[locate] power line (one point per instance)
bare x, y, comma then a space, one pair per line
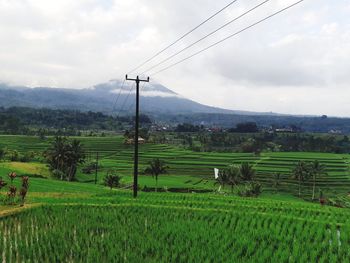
206, 36
127, 97
183, 36
226, 38
133, 104
116, 101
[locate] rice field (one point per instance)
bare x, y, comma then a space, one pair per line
195, 169
83, 222
158, 227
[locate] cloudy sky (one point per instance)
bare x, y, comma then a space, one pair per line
297, 62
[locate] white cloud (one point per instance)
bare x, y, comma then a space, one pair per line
271, 67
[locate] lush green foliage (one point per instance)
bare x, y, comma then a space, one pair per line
156, 167
176, 228
262, 142
64, 156
188, 169
112, 179
19, 120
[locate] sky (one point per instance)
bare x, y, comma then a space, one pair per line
297, 62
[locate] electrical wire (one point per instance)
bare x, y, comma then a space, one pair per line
116, 101
226, 38
182, 37
206, 36
127, 97
133, 104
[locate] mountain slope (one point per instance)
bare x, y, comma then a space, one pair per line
155, 98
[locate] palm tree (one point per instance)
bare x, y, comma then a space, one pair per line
65, 156
155, 168
222, 179
247, 172
301, 173
112, 179
56, 154
75, 156
232, 175
317, 169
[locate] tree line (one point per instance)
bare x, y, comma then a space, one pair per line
30, 121
261, 142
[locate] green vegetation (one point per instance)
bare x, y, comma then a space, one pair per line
109, 227
82, 222
64, 157
188, 169
156, 167
264, 141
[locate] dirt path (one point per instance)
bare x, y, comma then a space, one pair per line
7, 210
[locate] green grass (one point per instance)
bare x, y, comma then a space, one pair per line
105, 226
83, 222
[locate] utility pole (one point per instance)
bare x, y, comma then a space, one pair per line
96, 168
136, 138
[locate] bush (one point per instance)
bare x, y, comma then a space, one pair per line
252, 189
112, 179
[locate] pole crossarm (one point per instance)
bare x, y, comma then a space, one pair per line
136, 138
137, 79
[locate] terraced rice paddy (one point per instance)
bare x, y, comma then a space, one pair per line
83, 222
113, 227
195, 170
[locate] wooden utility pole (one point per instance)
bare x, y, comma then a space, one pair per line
96, 168
136, 138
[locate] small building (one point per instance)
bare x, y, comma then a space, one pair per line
335, 132
285, 130
131, 141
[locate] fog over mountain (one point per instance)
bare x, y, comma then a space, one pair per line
110, 97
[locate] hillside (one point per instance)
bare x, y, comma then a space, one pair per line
154, 98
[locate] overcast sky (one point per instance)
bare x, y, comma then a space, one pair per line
297, 62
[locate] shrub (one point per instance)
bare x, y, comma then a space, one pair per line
112, 179
252, 189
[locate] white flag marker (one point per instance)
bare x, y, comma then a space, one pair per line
216, 173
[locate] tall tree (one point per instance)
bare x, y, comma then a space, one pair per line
301, 172
316, 169
247, 172
65, 156
75, 156
155, 168
232, 175
222, 179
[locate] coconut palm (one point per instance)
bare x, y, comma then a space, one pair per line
247, 172
75, 156
112, 179
233, 174
301, 172
155, 168
222, 179
316, 169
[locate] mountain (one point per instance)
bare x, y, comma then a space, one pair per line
110, 97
